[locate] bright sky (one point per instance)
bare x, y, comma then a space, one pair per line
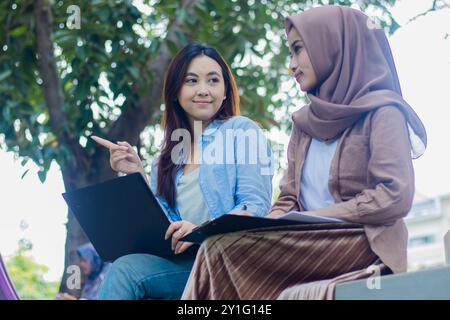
422, 56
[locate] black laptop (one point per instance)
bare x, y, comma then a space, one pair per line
121, 216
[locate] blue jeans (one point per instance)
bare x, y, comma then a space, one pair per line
145, 276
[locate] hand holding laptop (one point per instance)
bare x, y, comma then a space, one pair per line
178, 230
123, 158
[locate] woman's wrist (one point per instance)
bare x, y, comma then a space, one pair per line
142, 172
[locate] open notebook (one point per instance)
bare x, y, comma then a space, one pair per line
232, 223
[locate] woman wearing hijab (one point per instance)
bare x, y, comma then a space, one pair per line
349, 157
94, 270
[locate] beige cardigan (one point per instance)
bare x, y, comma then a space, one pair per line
371, 180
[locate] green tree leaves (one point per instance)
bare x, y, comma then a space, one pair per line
117, 41
28, 276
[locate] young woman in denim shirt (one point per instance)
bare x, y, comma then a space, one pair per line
221, 165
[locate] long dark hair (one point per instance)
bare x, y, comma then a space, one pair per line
176, 118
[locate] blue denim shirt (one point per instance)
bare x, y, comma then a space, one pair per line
243, 180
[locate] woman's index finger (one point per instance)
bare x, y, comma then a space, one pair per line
106, 143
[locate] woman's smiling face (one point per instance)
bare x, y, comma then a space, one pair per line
203, 90
300, 63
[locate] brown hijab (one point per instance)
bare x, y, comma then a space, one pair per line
355, 71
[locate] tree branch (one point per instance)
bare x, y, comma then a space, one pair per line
437, 5
53, 92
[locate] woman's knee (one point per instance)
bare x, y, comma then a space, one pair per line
134, 264
140, 266
125, 275
122, 264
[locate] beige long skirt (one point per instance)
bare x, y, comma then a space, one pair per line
293, 262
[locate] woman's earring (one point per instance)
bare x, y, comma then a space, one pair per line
224, 98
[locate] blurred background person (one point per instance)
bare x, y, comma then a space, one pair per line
94, 270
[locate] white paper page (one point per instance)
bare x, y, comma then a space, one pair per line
310, 218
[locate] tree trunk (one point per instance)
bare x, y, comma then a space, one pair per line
83, 170
75, 235
74, 179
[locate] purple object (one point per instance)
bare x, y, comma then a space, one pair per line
7, 291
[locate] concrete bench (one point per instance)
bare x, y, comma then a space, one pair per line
431, 284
